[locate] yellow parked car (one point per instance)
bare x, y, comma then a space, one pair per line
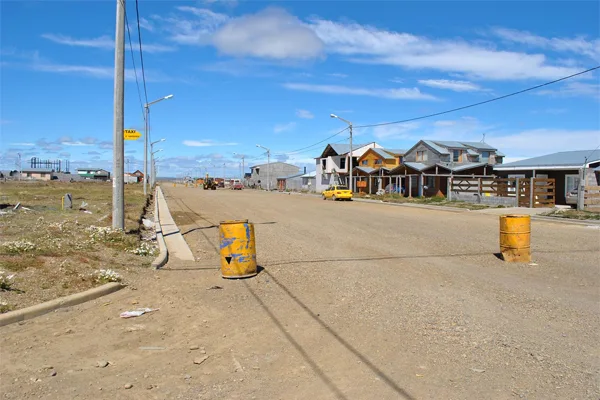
337, 192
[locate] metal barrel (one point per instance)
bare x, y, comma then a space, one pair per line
515, 238
237, 248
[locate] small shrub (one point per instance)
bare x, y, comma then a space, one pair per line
104, 234
4, 307
6, 281
145, 249
106, 275
18, 247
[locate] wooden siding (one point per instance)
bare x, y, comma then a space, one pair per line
371, 157
432, 156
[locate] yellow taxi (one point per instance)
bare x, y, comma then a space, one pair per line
337, 192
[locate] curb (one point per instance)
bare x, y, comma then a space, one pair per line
163, 256
559, 220
67, 301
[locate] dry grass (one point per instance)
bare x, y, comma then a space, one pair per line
55, 252
573, 214
436, 201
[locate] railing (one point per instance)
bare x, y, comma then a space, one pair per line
542, 195
591, 198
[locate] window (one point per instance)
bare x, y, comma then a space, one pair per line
343, 163
421, 156
430, 182
324, 163
485, 155
43, 175
400, 160
571, 183
456, 155
378, 162
364, 162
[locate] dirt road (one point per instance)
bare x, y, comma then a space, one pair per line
356, 301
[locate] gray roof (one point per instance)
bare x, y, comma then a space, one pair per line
441, 150
560, 159
461, 145
291, 176
41, 170
396, 151
382, 153
312, 174
461, 167
417, 166
366, 170
342, 148
273, 163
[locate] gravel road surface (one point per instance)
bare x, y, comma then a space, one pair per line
354, 301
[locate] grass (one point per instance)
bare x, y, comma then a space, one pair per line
436, 201
573, 214
55, 252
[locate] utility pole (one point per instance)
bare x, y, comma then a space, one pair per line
118, 215
20, 169
350, 186
268, 166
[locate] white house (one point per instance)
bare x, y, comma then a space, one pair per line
333, 163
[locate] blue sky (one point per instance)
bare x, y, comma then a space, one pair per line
247, 73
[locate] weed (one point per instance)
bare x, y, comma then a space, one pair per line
6, 281
145, 249
4, 307
18, 247
106, 275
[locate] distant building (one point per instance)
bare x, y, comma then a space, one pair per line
262, 173
38, 174
96, 174
140, 175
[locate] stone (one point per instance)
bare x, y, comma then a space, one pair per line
68, 201
53, 373
128, 386
194, 347
102, 364
199, 361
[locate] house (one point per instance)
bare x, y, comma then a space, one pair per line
427, 165
297, 182
376, 162
567, 168
130, 178
93, 174
332, 165
38, 174
262, 173
140, 175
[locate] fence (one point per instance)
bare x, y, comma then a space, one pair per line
591, 198
506, 191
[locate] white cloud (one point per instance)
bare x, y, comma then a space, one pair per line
579, 44
457, 86
147, 25
272, 33
284, 127
366, 44
573, 89
23, 144
305, 114
196, 31
536, 142
338, 75
94, 71
398, 131
397, 94
102, 42
205, 143
397, 80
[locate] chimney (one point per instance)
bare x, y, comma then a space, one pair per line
305, 170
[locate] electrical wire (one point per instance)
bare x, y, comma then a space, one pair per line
137, 12
481, 102
133, 60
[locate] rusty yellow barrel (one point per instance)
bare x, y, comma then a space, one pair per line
238, 250
515, 238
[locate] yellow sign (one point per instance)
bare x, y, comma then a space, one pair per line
131, 134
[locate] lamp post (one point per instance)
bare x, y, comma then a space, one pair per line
243, 166
154, 169
146, 130
268, 166
350, 163
151, 164
151, 150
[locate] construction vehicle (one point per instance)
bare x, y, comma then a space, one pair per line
209, 183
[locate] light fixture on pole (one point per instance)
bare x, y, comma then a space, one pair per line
268, 166
146, 130
154, 169
243, 166
151, 150
350, 185
151, 162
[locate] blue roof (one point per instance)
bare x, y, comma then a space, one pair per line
561, 159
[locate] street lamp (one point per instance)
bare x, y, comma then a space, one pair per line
151, 166
154, 167
151, 151
146, 129
350, 163
268, 166
243, 166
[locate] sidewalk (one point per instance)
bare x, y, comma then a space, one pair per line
176, 244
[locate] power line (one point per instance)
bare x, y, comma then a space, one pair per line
137, 12
481, 102
133, 60
312, 145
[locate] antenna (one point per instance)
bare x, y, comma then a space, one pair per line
483, 139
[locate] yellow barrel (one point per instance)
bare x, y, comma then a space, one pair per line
515, 238
238, 250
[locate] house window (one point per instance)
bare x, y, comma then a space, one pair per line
378, 162
400, 160
324, 163
430, 183
29, 174
485, 155
421, 156
43, 175
343, 163
456, 155
571, 183
364, 162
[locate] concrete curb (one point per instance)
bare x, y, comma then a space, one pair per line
163, 256
67, 301
568, 221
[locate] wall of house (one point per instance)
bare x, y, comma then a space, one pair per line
371, 159
270, 172
38, 176
432, 156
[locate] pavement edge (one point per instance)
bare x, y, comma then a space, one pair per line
163, 256
72, 300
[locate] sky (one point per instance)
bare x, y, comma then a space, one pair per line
245, 73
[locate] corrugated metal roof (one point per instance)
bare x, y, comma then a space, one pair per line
499, 153
342, 148
461, 167
291, 176
479, 145
39, 170
312, 174
366, 170
417, 166
433, 145
472, 152
396, 151
463, 145
382, 153
563, 158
